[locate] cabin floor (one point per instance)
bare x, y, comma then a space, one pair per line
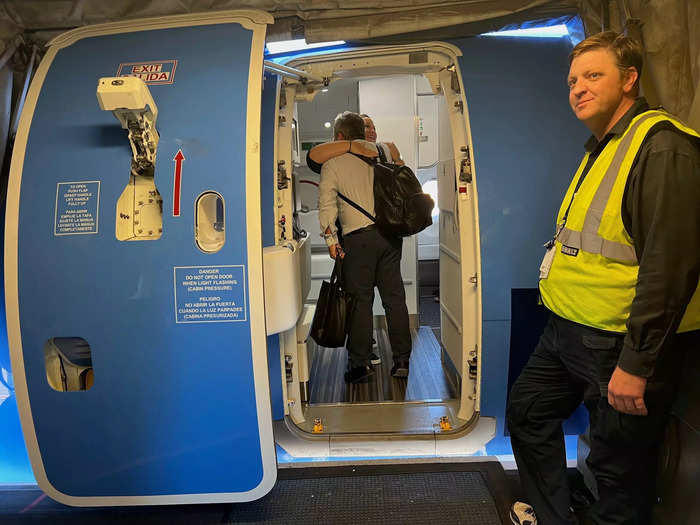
426, 381
427, 378
385, 404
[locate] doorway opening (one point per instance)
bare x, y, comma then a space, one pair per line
414, 96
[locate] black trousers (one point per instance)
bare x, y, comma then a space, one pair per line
373, 260
574, 363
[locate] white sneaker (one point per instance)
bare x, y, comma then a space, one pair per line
522, 514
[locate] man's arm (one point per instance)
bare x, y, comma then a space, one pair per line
663, 218
328, 207
334, 250
312, 164
322, 153
395, 155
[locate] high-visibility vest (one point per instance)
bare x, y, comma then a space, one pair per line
593, 274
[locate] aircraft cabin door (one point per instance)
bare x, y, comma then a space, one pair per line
133, 264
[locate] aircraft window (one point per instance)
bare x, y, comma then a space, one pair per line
209, 231
68, 362
431, 188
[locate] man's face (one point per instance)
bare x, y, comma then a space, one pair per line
596, 87
370, 131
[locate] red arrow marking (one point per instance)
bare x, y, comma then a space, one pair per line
178, 158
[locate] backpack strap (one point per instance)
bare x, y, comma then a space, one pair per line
373, 160
357, 207
382, 154
369, 160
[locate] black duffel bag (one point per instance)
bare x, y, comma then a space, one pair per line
334, 308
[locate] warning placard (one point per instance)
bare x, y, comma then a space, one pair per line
77, 208
210, 294
154, 73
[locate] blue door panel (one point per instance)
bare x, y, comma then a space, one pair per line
173, 407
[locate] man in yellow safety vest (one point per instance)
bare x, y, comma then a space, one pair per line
620, 277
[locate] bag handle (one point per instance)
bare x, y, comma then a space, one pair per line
382, 155
369, 160
337, 274
373, 160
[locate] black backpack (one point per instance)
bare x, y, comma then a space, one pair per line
401, 207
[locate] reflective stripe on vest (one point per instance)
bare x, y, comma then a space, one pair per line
594, 271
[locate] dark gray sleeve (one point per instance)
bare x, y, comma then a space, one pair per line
312, 164
661, 210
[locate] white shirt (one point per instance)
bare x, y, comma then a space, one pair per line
354, 178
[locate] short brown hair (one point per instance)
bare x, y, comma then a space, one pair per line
350, 125
627, 51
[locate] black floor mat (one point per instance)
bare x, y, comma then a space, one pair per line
474, 493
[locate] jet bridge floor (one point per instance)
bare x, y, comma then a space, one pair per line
470, 493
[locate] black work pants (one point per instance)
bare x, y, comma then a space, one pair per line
373, 260
574, 363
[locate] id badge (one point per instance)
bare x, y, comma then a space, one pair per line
547, 262
549, 254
